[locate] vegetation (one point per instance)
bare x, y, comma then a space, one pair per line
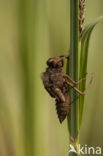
77, 65
31, 32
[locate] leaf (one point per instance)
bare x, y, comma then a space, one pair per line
83, 62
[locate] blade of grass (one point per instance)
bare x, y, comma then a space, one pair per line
27, 18
72, 70
83, 64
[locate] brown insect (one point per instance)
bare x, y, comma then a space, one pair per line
56, 83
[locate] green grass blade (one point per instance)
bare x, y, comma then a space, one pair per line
83, 64
72, 70
27, 26
72, 67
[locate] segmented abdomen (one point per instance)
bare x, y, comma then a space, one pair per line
63, 108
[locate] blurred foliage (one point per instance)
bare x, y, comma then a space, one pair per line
47, 34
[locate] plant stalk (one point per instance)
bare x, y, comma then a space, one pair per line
27, 29
72, 70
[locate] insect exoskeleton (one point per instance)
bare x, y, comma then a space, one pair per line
63, 108
56, 83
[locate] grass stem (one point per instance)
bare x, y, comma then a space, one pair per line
72, 70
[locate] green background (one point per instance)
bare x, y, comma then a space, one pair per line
31, 31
